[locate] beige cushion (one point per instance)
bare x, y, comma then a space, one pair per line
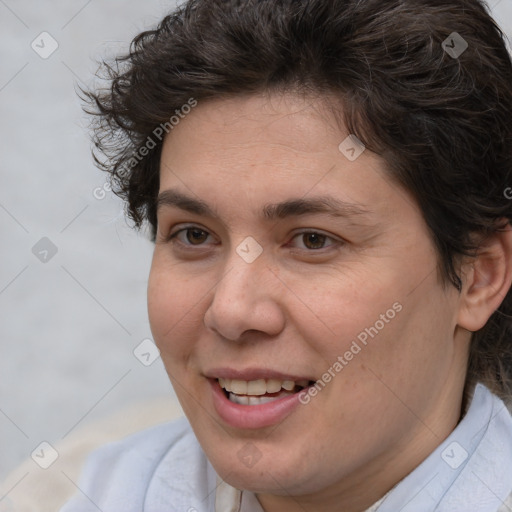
507, 505
29, 488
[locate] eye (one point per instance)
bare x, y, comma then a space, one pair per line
189, 236
313, 240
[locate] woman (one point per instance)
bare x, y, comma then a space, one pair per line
325, 181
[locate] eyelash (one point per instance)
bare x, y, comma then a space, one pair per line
172, 238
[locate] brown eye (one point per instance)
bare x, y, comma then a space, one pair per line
310, 241
313, 240
189, 237
196, 236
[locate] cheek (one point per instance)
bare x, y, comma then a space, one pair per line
173, 303
374, 320
342, 309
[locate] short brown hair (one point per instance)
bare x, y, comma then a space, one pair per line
441, 122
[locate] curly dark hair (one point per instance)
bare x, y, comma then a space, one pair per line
441, 119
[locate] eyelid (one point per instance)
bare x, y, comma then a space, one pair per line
337, 241
185, 227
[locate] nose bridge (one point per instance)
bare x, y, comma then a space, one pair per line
245, 266
244, 270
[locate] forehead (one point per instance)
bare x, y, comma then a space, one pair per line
267, 154
296, 122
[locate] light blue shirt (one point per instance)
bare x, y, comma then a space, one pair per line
164, 469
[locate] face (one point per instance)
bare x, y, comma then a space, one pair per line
282, 261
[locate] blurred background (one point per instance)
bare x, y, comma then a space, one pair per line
75, 338
73, 274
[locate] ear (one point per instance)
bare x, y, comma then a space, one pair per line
486, 280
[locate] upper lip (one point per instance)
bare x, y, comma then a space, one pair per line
249, 374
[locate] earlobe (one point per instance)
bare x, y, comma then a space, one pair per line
487, 280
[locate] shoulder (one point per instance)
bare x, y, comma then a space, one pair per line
117, 476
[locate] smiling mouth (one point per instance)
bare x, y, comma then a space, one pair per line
261, 391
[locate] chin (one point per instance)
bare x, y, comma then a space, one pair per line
259, 471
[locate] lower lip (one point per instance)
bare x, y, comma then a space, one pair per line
252, 416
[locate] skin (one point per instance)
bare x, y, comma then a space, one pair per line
297, 307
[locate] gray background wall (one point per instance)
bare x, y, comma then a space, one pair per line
69, 321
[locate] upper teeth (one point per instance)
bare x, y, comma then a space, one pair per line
259, 387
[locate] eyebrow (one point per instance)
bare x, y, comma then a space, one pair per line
290, 208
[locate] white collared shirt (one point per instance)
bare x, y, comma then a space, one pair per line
164, 469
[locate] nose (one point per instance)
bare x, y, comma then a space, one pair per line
247, 298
